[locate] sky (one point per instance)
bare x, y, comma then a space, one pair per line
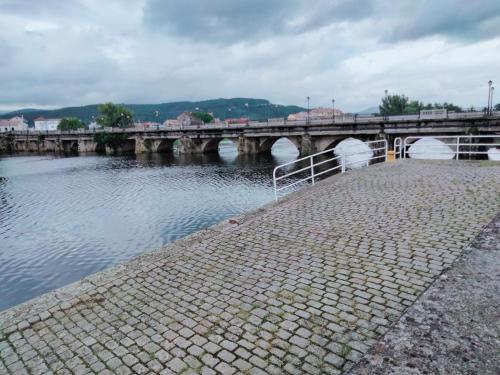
75, 52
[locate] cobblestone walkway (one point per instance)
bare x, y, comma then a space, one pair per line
453, 328
303, 287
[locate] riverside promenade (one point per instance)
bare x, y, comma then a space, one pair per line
305, 286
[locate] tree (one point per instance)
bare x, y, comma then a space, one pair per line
71, 123
393, 105
449, 107
204, 116
115, 116
413, 107
113, 140
497, 107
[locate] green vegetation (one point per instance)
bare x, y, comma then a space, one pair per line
115, 116
254, 109
394, 105
112, 140
497, 107
71, 123
204, 116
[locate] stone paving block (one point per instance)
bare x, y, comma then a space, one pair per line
306, 286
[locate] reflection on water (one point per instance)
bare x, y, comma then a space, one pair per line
62, 219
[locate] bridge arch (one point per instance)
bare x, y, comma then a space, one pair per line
165, 145
211, 145
268, 143
70, 146
329, 142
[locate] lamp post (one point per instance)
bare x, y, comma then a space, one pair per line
333, 111
491, 100
490, 82
308, 99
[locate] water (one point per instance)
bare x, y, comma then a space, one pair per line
63, 218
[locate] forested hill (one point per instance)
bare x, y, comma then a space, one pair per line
255, 109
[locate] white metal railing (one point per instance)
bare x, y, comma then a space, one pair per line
456, 145
398, 147
342, 164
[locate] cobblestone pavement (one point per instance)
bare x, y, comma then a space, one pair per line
453, 328
303, 287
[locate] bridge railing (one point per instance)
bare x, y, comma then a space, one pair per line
398, 148
349, 158
337, 120
451, 147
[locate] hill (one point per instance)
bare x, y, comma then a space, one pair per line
255, 109
369, 111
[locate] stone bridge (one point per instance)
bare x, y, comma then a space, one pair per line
250, 139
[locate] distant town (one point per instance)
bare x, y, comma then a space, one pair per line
19, 123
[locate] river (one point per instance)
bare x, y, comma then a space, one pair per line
63, 218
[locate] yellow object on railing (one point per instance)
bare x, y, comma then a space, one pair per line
391, 156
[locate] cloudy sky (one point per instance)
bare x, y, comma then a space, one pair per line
57, 53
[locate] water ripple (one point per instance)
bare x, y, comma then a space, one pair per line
62, 219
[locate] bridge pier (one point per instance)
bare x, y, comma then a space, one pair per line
247, 145
147, 145
190, 145
256, 145
87, 145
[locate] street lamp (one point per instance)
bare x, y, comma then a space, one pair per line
491, 100
308, 99
490, 82
333, 111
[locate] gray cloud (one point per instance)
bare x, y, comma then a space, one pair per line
229, 21
467, 20
76, 52
40, 8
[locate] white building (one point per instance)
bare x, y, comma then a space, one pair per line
14, 124
44, 124
315, 114
94, 125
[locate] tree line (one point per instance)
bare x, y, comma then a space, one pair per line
396, 105
116, 116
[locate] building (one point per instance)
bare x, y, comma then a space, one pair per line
187, 118
43, 124
94, 125
315, 114
170, 123
17, 123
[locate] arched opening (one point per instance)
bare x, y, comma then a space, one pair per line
166, 145
176, 146
228, 149
281, 147
211, 146
334, 144
70, 147
431, 148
